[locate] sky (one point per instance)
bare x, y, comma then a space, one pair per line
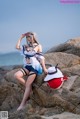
53, 21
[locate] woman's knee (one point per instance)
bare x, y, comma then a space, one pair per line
18, 75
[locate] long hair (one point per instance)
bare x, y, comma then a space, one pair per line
35, 37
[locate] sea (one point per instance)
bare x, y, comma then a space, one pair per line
12, 58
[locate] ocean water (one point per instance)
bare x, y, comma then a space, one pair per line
13, 58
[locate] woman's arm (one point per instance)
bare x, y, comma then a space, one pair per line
38, 48
19, 42
42, 60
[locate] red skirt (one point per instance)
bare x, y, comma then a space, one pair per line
56, 82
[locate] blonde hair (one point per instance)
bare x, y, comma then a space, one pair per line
35, 37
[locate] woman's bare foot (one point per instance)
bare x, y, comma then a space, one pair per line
20, 107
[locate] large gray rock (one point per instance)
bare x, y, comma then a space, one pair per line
68, 63
72, 46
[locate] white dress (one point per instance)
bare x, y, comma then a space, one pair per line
34, 59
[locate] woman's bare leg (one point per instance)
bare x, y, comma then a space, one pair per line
19, 76
27, 90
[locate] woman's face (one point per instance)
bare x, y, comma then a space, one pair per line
30, 39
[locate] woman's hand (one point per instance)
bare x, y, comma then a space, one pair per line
45, 71
19, 42
22, 36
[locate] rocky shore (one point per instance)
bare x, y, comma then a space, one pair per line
44, 102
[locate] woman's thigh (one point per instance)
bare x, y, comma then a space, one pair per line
18, 74
21, 73
30, 78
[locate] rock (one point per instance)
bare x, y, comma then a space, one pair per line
65, 115
70, 82
68, 63
23, 115
71, 71
10, 76
72, 46
11, 91
63, 60
2, 73
44, 96
50, 99
11, 67
4, 70
76, 86
44, 100
10, 96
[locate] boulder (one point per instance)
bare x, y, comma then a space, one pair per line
10, 96
72, 46
45, 100
64, 115
63, 60
47, 97
10, 76
63, 97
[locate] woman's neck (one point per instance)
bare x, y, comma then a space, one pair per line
33, 44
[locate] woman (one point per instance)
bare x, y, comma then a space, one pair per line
34, 63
